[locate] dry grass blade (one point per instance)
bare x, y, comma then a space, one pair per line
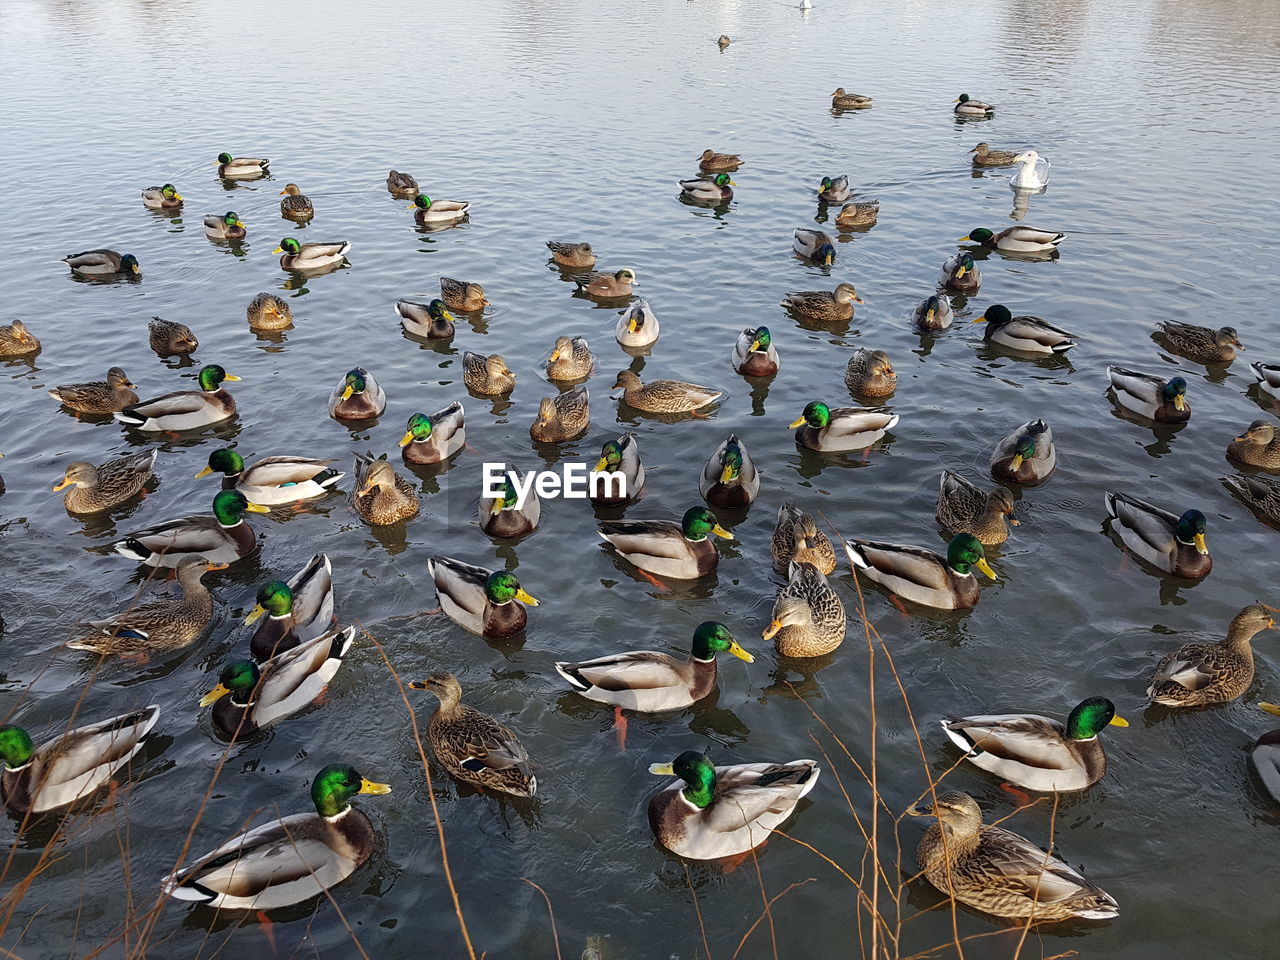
768, 907
555, 935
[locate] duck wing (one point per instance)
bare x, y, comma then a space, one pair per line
1024, 738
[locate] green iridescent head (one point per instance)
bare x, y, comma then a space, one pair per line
169, 190
336, 784
232, 219
354, 382
610, 456
276, 598
225, 158
1090, 717
240, 679
697, 771
722, 180
699, 523
229, 505
224, 460
980, 235
760, 340
965, 552
129, 264
997, 315
1191, 529
422, 202
503, 587
508, 498
16, 747
212, 377
730, 462
418, 428
290, 245
1175, 392
964, 264
816, 415
437, 310
711, 638
963, 98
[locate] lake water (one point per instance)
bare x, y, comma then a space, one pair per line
574, 120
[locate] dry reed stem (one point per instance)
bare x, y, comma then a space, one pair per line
767, 908
555, 935
697, 909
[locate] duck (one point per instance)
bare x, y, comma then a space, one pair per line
837, 429
821, 306
248, 698
922, 576
401, 184
1267, 375
73, 765
1033, 174
164, 197
486, 602
240, 168
1260, 494
1201, 344
998, 872
98, 488
966, 106
754, 354
1150, 396
380, 495
1264, 756
505, 516
608, 286
431, 321
291, 613
718, 188
223, 537
289, 860
638, 327
808, 618
184, 409
17, 341
729, 478
870, 373
100, 396
562, 417
434, 438
358, 396
574, 255
959, 273
710, 812
677, 551
848, 101
834, 189
428, 212
863, 213
797, 539
462, 296
1173, 544
663, 396
103, 263
266, 311
724, 41
570, 359
1259, 447
814, 245
489, 375
621, 456
1025, 334
933, 313
301, 257
472, 746
228, 226
649, 681
1198, 674
273, 481
1019, 238
964, 508
159, 627
1025, 456
296, 205
984, 156
712, 162
1035, 752
171, 339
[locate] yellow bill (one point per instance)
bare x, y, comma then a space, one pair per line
255, 614
61, 484
720, 531
1016, 462
726, 474
1270, 708
1201, 546
346, 394
798, 422
964, 239
662, 769
1118, 721
771, 630
406, 439
278, 250
231, 377
601, 465
526, 598
214, 695
257, 508
985, 568
1180, 403
204, 473
368, 786
740, 653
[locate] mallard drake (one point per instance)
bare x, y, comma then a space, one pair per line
814, 245
184, 409
1201, 344
608, 286
998, 872
72, 765
933, 313
1260, 494
1025, 333
964, 508
718, 188
922, 576
94, 489
836, 429
754, 354
1264, 756
159, 627
834, 189
1267, 375
869, 373
966, 106
570, 359
677, 551
863, 213
486, 602
358, 396
724, 41
984, 156
162, 198
489, 375
223, 537
249, 698
649, 681
565, 416
1175, 545
289, 860
266, 311
401, 184
1149, 396
638, 327
505, 516
17, 341
434, 438
100, 396
228, 226
428, 211
1016, 239
712, 812
729, 478
301, 257
712, 162
171, 339
1198, 674
848, 101
1035, 752
472, 746
296, 205
578, 255
431, 321
808, 617
618, 456
1033, 174
959, 273
797, 539
103, 263
272, 481
462, 296
663, 396
1259, 447
380, 495
293, 613
822, 306
1025, 456
240, 168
